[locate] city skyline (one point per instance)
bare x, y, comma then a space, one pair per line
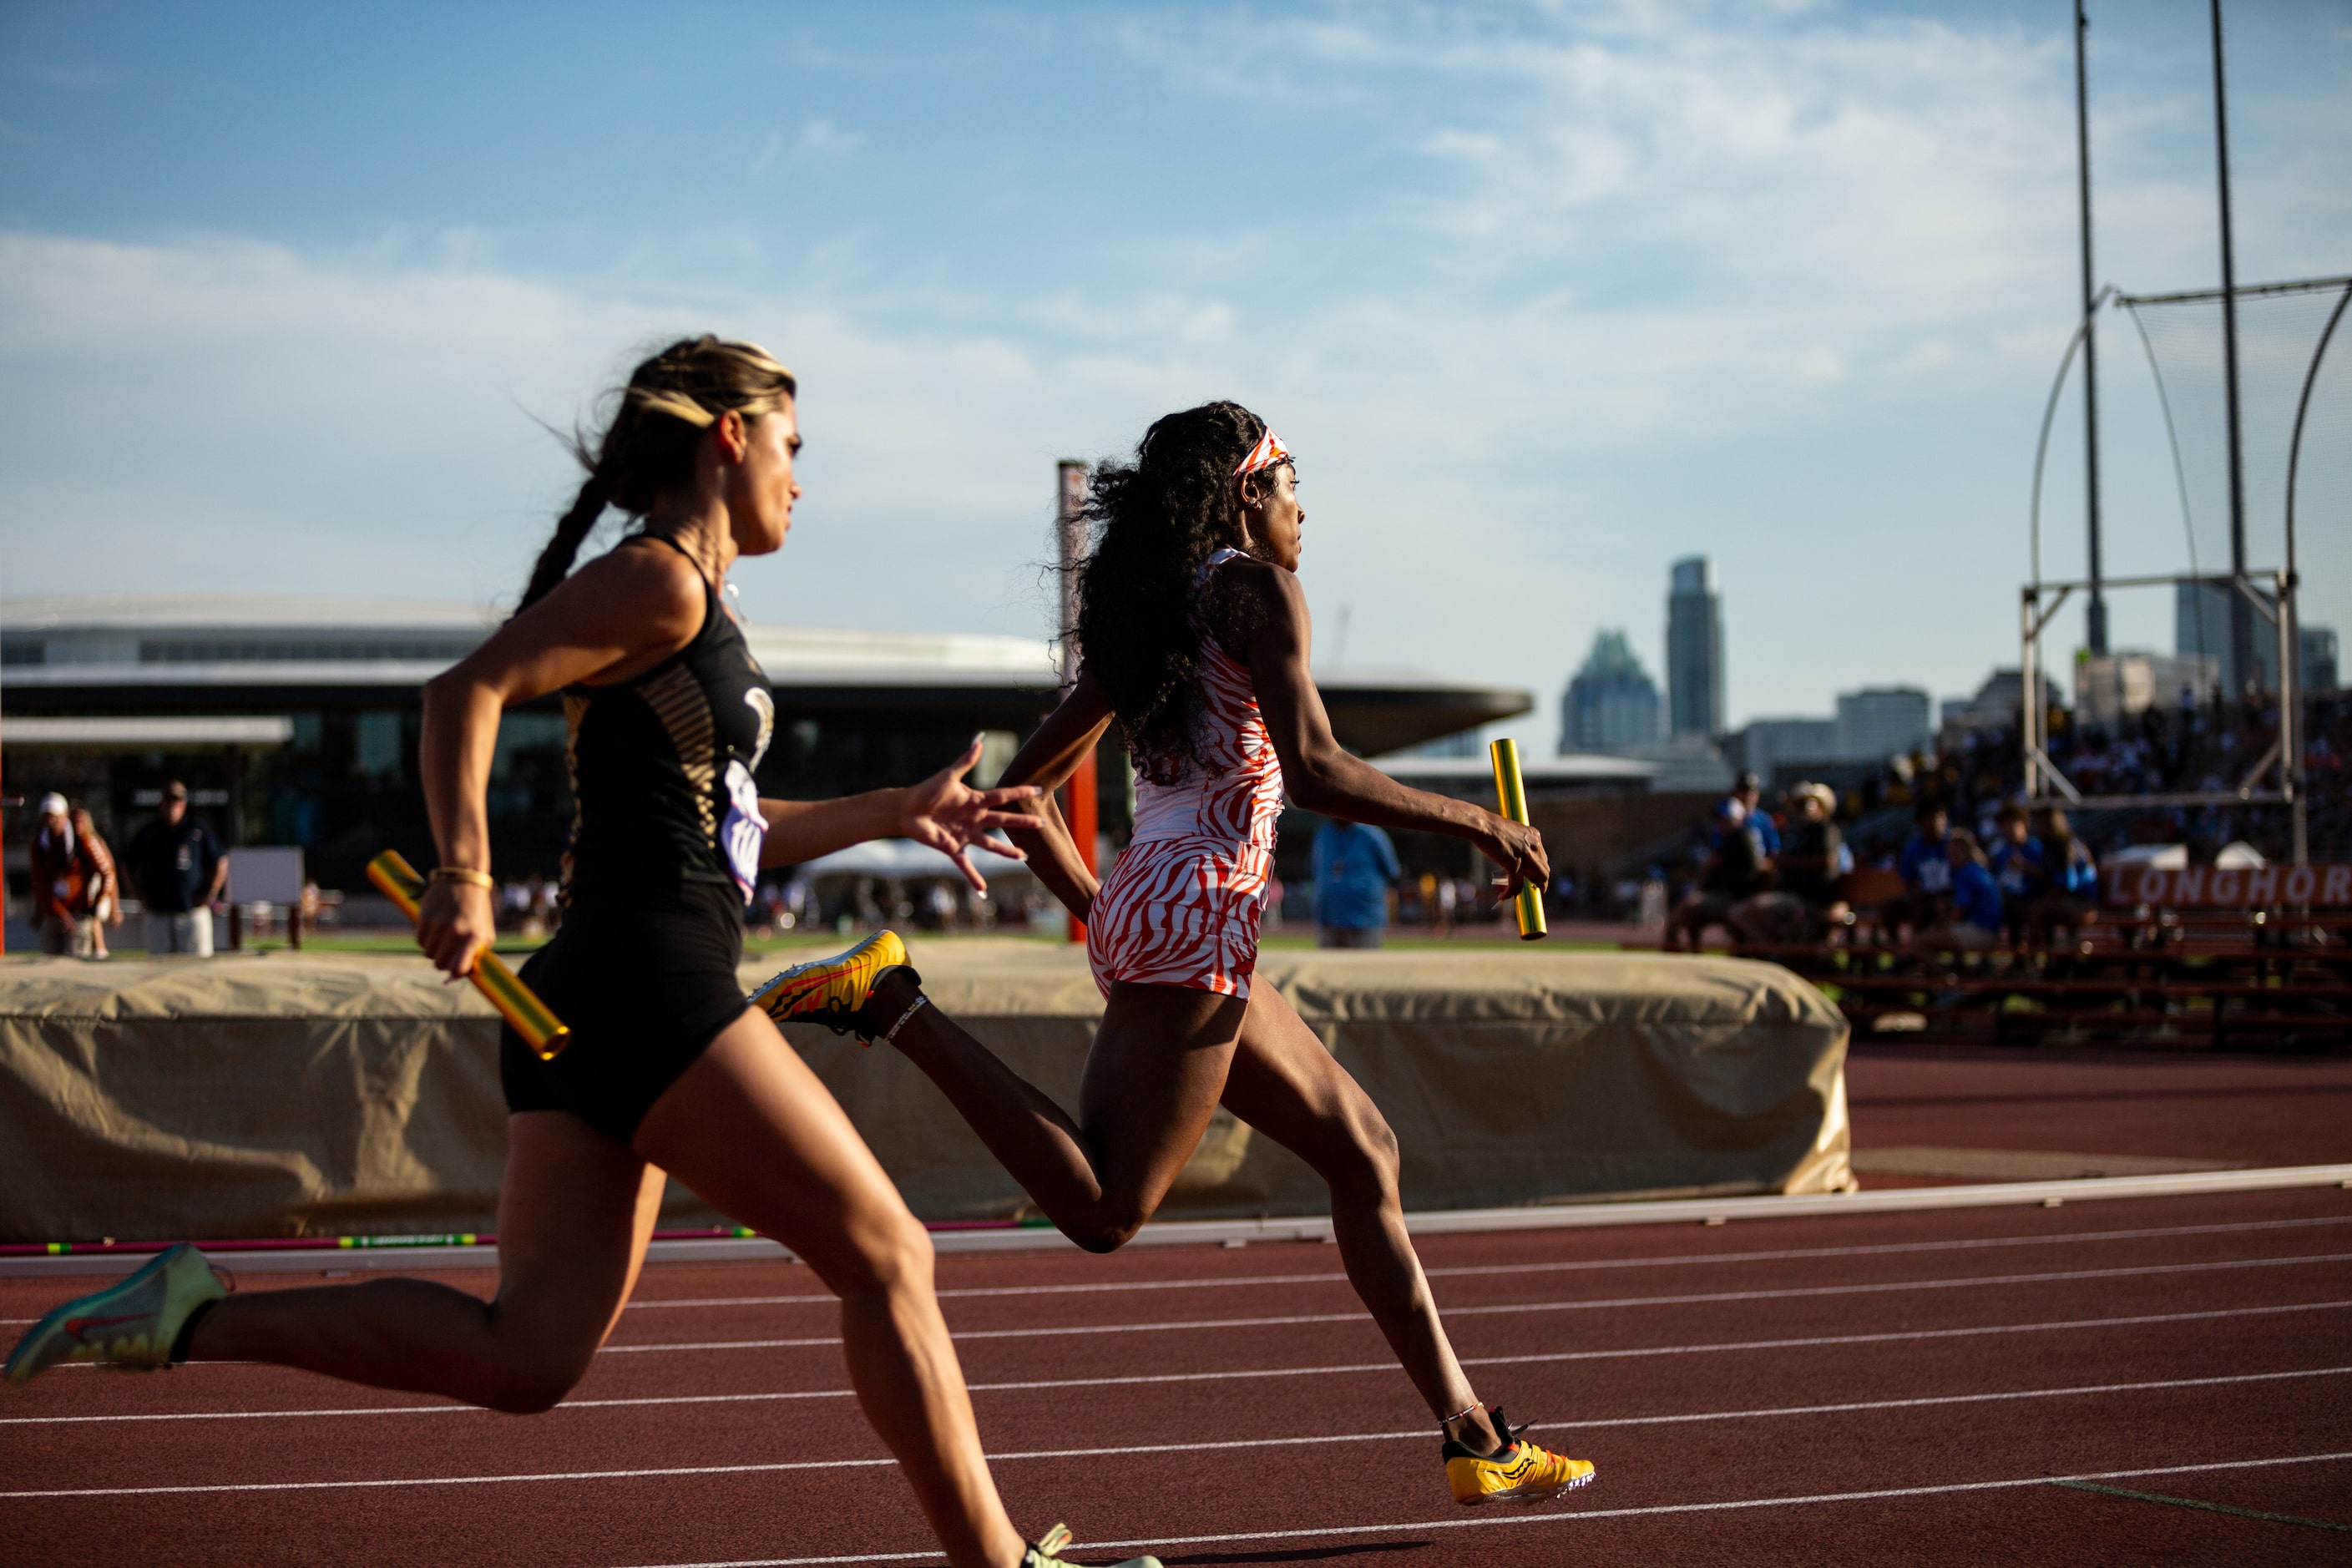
1544, 299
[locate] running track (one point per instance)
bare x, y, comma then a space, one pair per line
1898, 1387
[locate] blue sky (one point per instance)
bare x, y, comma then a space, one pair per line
1543, 296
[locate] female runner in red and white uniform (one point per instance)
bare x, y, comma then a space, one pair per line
1194, 631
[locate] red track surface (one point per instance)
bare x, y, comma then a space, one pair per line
1701, 1369
2259, 1110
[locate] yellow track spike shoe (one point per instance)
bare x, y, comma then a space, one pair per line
833, 990
1519, 1472
132, 1324
1046, 1552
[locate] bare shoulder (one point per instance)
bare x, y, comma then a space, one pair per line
623, 611
1274, 594
1256, 611
657, 589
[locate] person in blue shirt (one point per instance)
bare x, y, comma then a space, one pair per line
1974, 899
2017, 860
1926, 869
2071, 888
1749, 792
1353, 866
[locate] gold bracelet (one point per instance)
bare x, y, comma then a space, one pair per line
465, 874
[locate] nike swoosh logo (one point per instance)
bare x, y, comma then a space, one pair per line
74, 1326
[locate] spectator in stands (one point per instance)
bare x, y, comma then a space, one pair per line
1733, 870
2017, 870
1973, 922
1926, 865
1354, 865
1803, 902
179, 868
1749, 791
72, 877
2071, 881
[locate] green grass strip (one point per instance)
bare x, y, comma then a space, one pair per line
2208, 1507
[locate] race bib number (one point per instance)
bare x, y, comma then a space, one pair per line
744, 829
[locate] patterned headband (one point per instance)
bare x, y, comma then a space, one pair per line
1269, 453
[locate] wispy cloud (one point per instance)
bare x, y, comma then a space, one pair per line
823, 136
1783, 283
76, 79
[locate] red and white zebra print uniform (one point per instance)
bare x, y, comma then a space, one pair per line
1182, 905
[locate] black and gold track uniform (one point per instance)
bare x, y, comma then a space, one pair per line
664, 849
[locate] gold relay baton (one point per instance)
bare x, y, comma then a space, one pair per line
540, 1029
1511, 801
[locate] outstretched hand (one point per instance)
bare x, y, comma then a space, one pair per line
952, 816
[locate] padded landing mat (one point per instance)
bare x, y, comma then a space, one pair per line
307, 1095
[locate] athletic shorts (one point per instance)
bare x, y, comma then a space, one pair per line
1181, 911
644, 985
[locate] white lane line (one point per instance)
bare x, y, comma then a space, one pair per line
1253, 1373
1585, 1516
1419, 1434
1693, 1299
1242, 1281
1468, 1272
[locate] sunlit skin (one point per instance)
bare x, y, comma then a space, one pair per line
748, 1125
1166, 1056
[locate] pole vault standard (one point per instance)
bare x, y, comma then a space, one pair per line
2096, 617
2242, 627
1080, 795
2291, 721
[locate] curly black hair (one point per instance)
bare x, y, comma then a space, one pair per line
1155, 521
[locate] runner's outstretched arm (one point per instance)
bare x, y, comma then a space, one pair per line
942, 812
1066, 737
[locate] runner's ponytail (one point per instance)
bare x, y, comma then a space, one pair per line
555, 561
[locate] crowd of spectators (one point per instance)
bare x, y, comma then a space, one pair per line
1976, 866
2164, 750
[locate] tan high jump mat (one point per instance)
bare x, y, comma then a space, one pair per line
328, 1095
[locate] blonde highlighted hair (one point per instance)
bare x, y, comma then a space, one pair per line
669, 401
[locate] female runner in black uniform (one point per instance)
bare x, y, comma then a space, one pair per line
668, 1070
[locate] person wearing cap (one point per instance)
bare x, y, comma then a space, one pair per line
1740, 843
72, 878
179, 868
1806, 899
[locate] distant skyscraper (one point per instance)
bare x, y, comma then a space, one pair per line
2318, 667
1879, 723
1613, 703
2200, 625
1694, 649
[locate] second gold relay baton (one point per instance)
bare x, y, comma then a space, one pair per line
540, 1029
1511, 801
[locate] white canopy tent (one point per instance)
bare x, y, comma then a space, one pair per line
905, 859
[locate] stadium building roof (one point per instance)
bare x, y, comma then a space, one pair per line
184, 654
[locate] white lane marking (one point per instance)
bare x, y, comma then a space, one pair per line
1419, 1433
1579, 1517
1254, 1373
1468, 1271
1244, 1281
1694, 1299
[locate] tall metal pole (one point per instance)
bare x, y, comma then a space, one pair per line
2241, 626
2097, 617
